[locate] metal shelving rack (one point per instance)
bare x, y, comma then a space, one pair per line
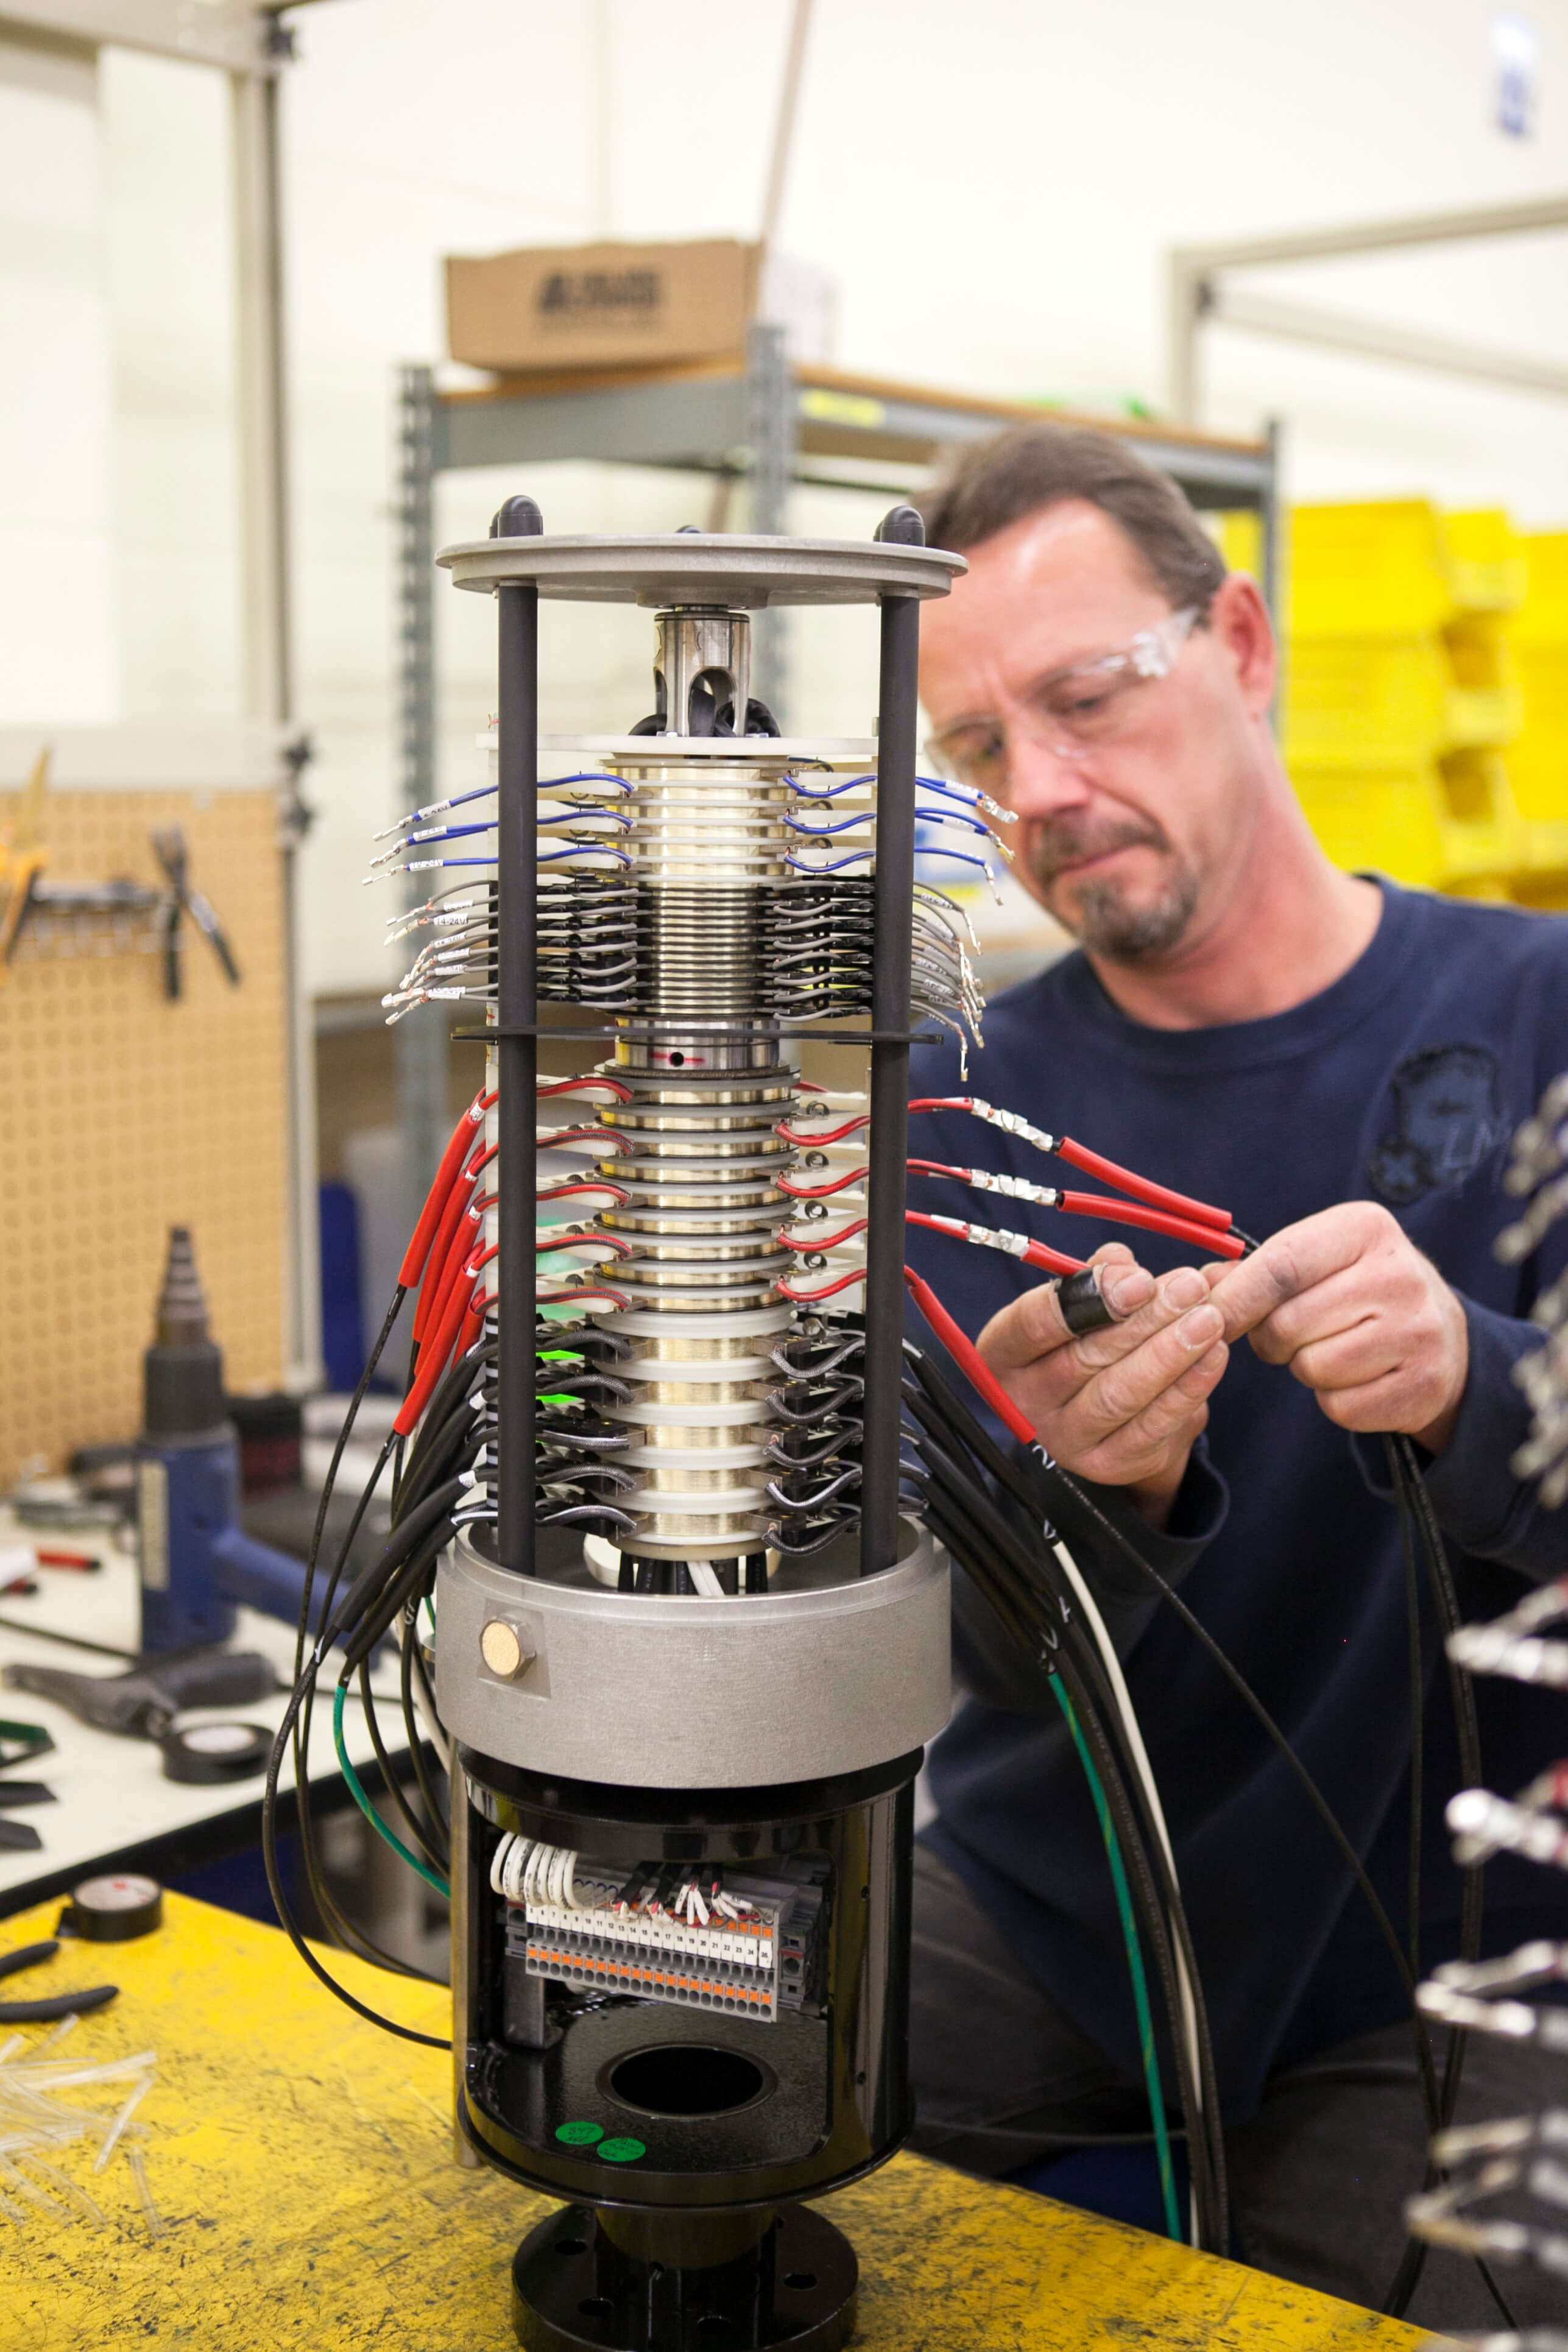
753, 419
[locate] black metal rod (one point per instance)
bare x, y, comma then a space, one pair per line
889, 1154
517, 1052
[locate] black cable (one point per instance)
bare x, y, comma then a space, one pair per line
438, 1811
967, 1518
334, 1919
1415, 1505
1417, 1716
1314, 1795
952, 1408
415, 1827
280, 1896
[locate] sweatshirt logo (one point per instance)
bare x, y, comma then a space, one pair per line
1446, 1117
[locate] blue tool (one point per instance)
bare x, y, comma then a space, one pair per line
197, 1564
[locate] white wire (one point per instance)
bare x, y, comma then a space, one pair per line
1140, 1755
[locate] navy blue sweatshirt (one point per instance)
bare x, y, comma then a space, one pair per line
1403, 1083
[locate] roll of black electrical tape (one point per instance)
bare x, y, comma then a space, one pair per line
210, 1752
113, 1910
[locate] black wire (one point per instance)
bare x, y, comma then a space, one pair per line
334, 1919
438, 1811
964, 1537
953, 1410
1417, 1714
279, 1896
967, 1518
1415, 1505
1315, 1796
416, 1828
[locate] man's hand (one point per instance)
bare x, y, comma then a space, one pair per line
1122, 1406
1348, 1301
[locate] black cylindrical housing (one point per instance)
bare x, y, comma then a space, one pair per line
727, 2109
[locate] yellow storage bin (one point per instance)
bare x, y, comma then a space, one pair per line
1486, 705
1389, 822
1377, 569
1481, 830
1356, 703
1542, 618
1487, 565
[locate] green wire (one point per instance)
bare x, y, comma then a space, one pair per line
1134, 1963
367, 1809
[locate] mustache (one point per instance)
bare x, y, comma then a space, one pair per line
1060, 841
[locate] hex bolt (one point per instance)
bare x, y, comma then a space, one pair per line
504, 1650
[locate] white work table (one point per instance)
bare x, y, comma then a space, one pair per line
114, 1804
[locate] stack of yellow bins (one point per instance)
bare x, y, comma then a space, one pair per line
1538, 757
1399, 694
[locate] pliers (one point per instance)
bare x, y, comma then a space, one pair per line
181, 898
53, 2005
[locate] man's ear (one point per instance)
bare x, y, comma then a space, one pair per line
1239, 620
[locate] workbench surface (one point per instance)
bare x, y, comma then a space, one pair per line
301, 2163
113, 1797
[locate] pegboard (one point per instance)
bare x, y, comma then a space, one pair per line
123, 1114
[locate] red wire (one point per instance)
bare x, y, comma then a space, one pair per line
968, 1359
432, 1292
1142, 1188
1153, 1221
565, 1192
581, 1086
823, 1134
565, 1240
830, 1240
806, 1297
823, 1191
452, 1159
1078, 1155
1038, 1253
434, 1359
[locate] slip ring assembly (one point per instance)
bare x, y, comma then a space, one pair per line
691, 1638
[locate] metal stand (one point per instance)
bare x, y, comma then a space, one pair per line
625, 2281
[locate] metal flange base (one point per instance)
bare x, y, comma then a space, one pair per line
573, 2290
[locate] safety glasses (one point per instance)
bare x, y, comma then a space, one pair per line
1071, 712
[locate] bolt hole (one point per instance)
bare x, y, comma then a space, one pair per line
596, 2306
800, 2280
677, 1061
571, 2246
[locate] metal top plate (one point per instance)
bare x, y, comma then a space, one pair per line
706, 568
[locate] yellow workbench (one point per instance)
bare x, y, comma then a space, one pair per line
301, 2164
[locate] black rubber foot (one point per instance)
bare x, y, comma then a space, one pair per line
573, 2291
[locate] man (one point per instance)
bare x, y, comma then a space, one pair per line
1341, 1064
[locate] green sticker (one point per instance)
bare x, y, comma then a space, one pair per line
621, 2151
583, 2134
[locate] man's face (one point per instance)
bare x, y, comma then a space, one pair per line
1128, 841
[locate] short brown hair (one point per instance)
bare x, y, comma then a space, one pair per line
1029, 466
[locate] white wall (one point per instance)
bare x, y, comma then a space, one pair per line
993, 187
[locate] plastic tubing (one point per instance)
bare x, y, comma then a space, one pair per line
452, 1159
968, 1359
436, 1266
1141, 1188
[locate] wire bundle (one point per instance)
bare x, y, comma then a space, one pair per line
1500, 2189
987, 1509
1538, 1166
816, 1453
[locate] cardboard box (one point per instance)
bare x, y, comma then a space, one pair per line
601, 305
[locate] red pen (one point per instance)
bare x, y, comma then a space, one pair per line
83, 1562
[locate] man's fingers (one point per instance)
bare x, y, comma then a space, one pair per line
1295, 1258
1349, 1358
1165, 1427
1187, 1352
1031, 1327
